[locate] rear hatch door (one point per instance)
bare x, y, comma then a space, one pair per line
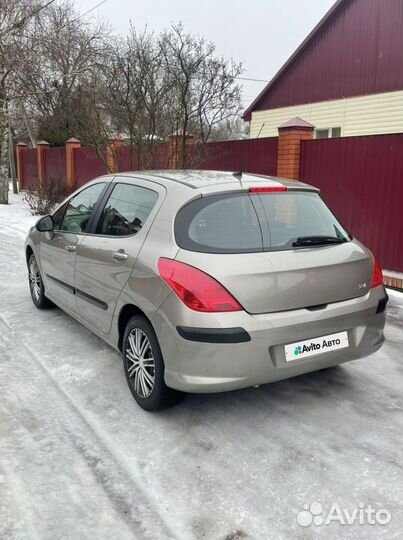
273, 251
284, 280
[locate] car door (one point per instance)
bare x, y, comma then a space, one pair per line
58, 248
107, 255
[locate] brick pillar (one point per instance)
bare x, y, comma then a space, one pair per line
290, 136
112, 151
41, 148
21, 148
71, 145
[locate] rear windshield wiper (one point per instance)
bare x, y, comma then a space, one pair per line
317, 240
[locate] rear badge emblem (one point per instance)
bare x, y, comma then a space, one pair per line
362, 285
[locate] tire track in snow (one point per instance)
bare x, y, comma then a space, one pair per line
99, 462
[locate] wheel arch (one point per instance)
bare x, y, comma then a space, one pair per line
126, 313
28, 252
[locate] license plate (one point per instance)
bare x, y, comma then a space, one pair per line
319, 345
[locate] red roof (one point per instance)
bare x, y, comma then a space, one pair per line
356, 49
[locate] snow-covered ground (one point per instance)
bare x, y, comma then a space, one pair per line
80, 461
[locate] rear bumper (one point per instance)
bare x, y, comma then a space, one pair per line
203, 366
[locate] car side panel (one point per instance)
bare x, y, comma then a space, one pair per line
58, 259
99, 278
144, 288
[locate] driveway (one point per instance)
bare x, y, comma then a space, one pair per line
79, 460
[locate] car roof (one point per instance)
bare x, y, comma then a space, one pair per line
211, 180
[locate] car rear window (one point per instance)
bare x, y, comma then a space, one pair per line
244, 223
294, 214
219, 224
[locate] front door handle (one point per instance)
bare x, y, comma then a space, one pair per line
119, 255
70, 248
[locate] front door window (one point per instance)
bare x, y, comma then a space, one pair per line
79, 209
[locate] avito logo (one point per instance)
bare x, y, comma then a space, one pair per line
316, 346
306, 348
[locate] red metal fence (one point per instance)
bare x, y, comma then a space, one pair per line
157, 157
360, 177
87, 165
30, 168
362, 180
250, 155
55, 165
127, 159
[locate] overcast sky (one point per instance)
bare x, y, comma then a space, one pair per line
261, 34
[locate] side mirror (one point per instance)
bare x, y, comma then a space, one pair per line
45, 224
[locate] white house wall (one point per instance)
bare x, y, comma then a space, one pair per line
364, 115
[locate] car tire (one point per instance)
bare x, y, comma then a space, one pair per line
144, 367
36, 286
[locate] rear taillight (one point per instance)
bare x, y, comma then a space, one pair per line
267, 189
196, 289
377, 277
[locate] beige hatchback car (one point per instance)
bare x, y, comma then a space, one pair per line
208, 281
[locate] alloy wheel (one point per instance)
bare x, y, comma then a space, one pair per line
35, 279
140, 362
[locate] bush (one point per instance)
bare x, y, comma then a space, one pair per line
42, 199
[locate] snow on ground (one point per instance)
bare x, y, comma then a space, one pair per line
79, 459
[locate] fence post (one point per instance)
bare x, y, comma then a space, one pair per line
21, 148
71, 145
112, 152
41, 148
290, 135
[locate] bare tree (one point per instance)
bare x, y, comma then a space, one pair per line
15, 16
75, 79
203, 88
152, 88
233, 128
61, 51
96, 128
136, 92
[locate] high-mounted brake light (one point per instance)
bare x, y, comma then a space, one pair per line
377, 277
263, 189
196, 289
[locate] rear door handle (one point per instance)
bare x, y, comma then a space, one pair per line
70, 248
119, 256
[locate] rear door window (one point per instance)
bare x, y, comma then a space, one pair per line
219, 224
126, 210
